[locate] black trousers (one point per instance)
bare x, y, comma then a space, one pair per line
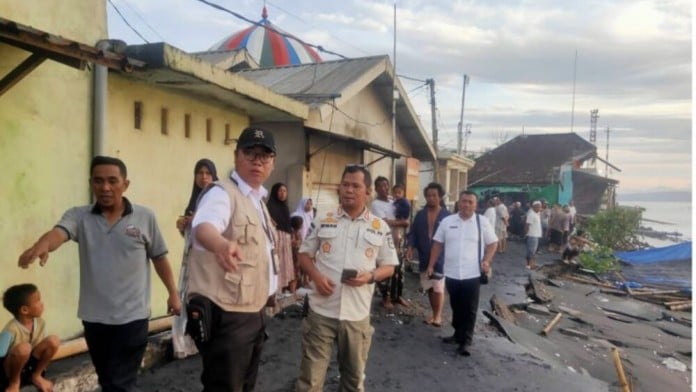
464, 300
231, 357
394, 286
116, 352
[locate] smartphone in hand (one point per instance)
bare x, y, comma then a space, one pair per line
348, 274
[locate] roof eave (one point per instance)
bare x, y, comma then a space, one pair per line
170, 67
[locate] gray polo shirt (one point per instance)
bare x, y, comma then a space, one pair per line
114, 261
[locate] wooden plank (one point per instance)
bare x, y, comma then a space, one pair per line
501, 309
20, 71
539, 292
551, 324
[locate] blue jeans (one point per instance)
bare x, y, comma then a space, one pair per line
532, 245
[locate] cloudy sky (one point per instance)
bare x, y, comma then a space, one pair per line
633, 64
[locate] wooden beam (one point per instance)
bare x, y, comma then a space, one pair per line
20, 71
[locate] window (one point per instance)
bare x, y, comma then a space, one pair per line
208, 129
137, 114
187, 126
163, 120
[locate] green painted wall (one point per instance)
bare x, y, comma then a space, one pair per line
45, 123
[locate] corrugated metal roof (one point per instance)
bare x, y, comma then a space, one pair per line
318, 84
530, 159
318, 79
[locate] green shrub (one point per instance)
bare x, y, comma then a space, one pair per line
615, 228
600, 260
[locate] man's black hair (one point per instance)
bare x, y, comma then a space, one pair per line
17, 296
467, 192
359, 168
102, 160
436, 186
380, 179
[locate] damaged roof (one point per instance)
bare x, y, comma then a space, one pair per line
531, 159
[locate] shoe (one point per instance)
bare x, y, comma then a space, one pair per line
387, 304
449, 340
463, 350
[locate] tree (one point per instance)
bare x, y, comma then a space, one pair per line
615, 228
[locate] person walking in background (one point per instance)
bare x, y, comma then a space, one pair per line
469, 243
383, 207
490, 213
204, 173
280, 214
29, 350
116, 239
305, 210
352, 249
420, 238
532, 231
501, 224
233, 268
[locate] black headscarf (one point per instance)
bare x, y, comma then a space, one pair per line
279, 210
191, 208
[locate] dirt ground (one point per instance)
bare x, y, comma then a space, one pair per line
407, 355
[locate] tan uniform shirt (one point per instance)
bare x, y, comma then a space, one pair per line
20, 333
339, 242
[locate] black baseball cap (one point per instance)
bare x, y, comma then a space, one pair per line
255, 136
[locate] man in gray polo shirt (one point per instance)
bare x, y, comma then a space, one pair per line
116, 240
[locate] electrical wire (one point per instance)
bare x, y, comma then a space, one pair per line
348, 116
286, 35
142, 19
312, 25
126, 22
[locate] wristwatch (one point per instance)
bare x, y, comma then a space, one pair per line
372, 278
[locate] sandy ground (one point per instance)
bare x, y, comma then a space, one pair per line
407, 355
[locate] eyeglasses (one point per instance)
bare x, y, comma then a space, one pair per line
251, 155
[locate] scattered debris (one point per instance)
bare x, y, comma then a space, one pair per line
538, 291
501, 309
539, 309
623, 383
674, 364
574, 333
551, 324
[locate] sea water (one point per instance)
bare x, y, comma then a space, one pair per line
674, 215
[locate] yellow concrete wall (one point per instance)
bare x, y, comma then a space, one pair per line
160, 167
45, 143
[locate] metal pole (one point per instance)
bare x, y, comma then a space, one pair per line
433, 113
606, 157
393, 144
461, 117
466, 136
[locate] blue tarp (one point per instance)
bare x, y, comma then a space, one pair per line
676, 252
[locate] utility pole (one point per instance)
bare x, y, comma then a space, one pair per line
394, 98
433, 112
466, 136
606, 157
461, 118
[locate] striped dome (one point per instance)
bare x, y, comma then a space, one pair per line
268, 46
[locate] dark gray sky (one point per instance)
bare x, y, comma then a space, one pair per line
633, 64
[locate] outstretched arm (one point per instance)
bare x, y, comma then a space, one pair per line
48, 242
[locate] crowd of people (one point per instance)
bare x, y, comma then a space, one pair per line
243, 247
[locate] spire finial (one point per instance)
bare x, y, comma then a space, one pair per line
264, 13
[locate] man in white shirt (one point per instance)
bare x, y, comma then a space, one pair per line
490, 213
469, 243
532, 230
233, 267
382, 207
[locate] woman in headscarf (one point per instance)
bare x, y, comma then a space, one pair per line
204, 173
280, 213
305, 211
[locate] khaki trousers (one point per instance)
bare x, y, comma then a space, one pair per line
353, 339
